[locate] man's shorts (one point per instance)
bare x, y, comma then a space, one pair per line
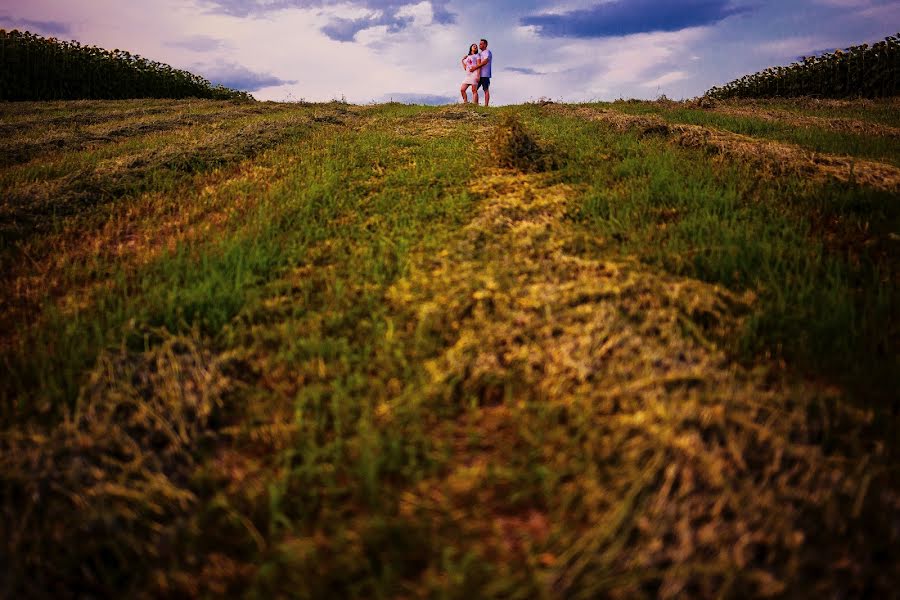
485, 83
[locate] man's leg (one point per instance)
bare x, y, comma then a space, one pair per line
485, 83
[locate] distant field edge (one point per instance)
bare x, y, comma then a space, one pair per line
38, 68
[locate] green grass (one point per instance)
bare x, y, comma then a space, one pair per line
350, 358
31, 139
69, 184
208, 285
875, 111
821, 307
400, 193
881, 148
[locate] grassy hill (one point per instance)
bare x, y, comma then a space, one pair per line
563, 351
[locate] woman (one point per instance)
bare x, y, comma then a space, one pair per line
472, 77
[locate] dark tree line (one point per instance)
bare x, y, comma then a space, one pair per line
37, 68
857, 72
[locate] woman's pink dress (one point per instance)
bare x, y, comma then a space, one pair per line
472, 77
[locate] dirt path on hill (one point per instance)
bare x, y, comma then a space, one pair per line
775, 158
690, 473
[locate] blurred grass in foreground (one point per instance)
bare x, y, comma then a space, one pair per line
335, 351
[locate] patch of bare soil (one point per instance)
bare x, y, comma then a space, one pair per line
776, 158
674, 471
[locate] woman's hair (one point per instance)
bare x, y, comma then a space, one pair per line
470, 49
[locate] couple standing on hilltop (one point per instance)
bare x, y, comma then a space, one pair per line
478, 72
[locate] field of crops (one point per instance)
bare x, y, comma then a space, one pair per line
37, 68
857, 72
639, 349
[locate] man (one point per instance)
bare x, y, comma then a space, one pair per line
484, 63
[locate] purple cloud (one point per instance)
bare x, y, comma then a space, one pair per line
342, 30
43, 27
199, 43
238, 77
524, 70
621, 18
427, 99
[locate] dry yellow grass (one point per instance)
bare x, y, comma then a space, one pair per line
856, 126
698, 471
776, 158
428, 377
112, 479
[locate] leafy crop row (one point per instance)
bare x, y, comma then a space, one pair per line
859, 71
37, 68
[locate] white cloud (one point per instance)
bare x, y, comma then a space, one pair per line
666, 79
792, 46
421, 13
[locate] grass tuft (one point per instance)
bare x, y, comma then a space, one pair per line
515, 148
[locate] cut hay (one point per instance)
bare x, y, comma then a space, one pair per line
775, 157
773, 115
670, 470
514, 147
104, 490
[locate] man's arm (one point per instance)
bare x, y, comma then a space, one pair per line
480, 64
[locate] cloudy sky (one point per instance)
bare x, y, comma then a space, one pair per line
409, 50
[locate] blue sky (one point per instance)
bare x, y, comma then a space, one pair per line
409, 50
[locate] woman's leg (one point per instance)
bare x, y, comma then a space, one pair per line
475, 91
463, 91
